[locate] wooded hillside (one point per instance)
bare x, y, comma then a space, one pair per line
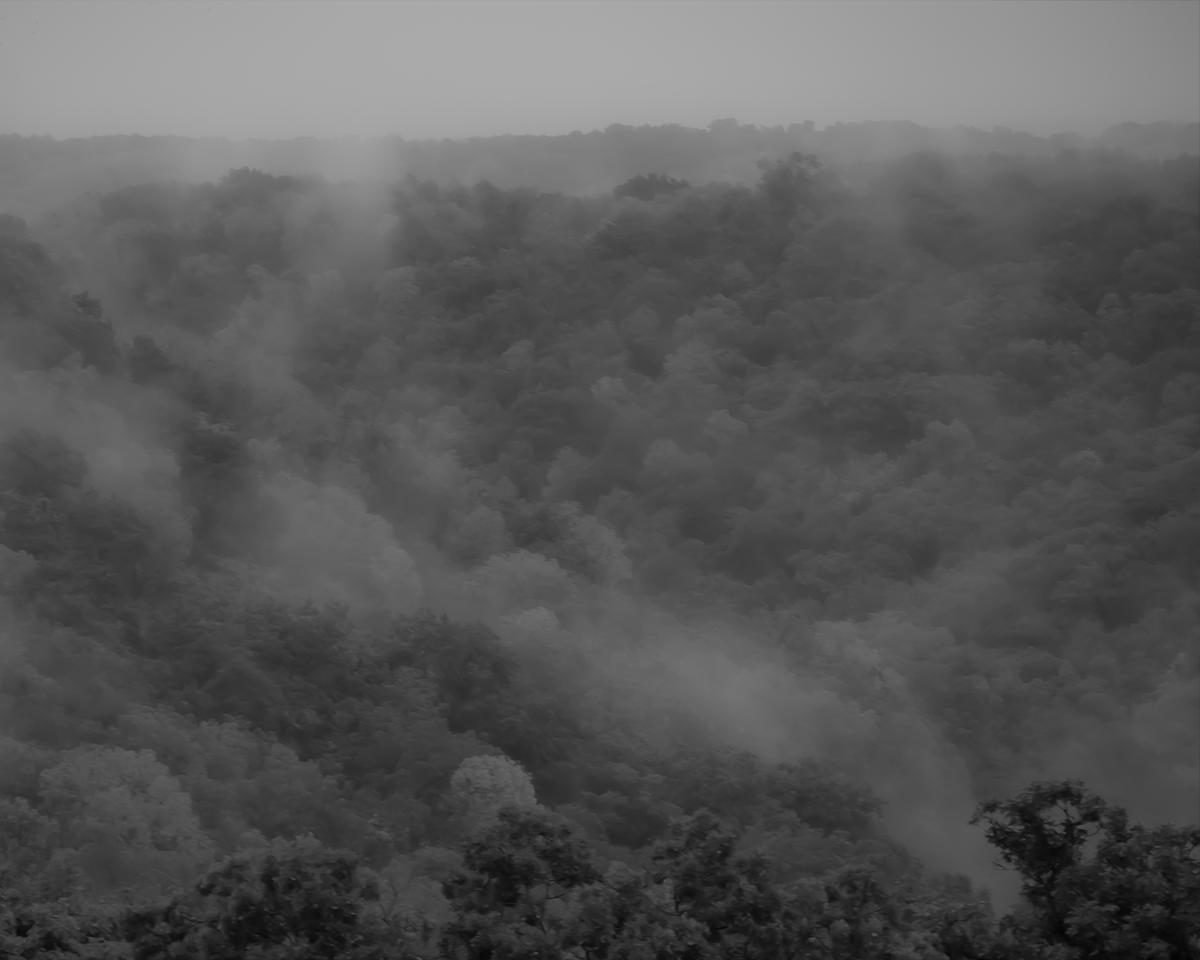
480, 571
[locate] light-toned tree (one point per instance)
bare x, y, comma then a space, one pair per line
482, 786
126, 818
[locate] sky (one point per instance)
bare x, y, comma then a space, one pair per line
456, 68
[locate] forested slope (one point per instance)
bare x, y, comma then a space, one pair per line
670, 573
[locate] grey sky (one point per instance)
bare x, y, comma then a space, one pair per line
458, 68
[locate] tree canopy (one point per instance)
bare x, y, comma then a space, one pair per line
671, 570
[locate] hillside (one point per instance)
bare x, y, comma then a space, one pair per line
657, 554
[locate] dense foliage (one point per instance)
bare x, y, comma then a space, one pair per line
473, 572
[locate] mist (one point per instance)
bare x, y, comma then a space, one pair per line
627, 434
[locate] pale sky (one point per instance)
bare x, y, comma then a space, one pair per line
258, 68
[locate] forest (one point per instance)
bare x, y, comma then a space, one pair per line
793, 564
36, 171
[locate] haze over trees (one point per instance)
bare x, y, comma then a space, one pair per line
36, 172
706, 548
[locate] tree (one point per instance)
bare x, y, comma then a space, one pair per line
520, 579
482, 786
730, 898
329, 547
516, 894
297, 901
126, 819
1094, 882
648, 186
